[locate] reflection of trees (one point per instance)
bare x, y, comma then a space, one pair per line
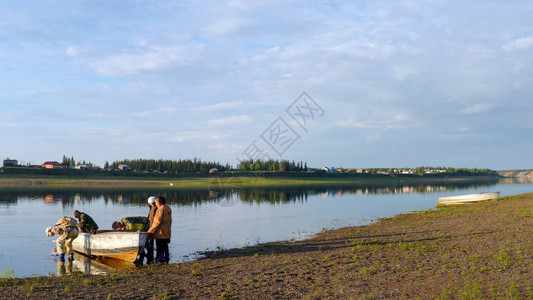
272, 196
517, 180
138, 197
8, 199
277, 195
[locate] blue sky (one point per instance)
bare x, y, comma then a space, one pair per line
401, 83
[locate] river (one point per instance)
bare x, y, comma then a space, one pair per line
218, 218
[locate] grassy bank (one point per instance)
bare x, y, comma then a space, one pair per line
477, 251
222, 180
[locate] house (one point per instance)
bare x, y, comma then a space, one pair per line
51, 165
213, 170
84, 167
360, 171
123, 167
10, 163
328, 170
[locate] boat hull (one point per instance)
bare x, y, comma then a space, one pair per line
470, 198
114, 244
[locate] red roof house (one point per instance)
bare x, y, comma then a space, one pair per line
51, 165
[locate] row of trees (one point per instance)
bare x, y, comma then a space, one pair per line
170, 166
271, 165
198, 166
457, 171
71, 162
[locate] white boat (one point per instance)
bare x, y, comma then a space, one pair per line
470, 198
123, 245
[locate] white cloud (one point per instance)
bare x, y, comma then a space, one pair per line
518, 44
73, 51
228, 147
384, 121
356, 124
222, 105
228, 26
374, 138
148, 59
477, 108
194, 136
154, 113
233, 120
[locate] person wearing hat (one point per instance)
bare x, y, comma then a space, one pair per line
67, 230
150, 242
160, 229
87, 224
153, 209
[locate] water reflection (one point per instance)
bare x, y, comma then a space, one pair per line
229, 196
90, 266
515, 180
63, 270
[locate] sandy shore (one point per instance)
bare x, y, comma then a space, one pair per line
479, 251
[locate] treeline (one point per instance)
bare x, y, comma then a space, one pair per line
71, 162
455, 171
271, 165
169, 166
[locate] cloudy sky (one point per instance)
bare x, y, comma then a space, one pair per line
399, 83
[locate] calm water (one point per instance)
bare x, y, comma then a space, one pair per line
207, 219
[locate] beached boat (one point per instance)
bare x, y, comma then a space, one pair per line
470, 198
123, 245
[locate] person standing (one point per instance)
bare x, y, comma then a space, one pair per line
160, 229
150, 241
86, 223
67, 230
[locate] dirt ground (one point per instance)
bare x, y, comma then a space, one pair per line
478, 251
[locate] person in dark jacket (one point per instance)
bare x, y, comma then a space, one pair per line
161, 229
86, 223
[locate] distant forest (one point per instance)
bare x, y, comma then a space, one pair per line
271, 165
170, 166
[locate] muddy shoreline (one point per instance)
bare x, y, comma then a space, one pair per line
482, 250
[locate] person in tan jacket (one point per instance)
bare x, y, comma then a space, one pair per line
149, 247
67, 230
160, 229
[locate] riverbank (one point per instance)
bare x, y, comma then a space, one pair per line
482, 250
227, 181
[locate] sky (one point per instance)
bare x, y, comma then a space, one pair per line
333, 83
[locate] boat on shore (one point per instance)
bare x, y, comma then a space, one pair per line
470, 198
122, 245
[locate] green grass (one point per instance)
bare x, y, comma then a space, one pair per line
7, 274
76, 178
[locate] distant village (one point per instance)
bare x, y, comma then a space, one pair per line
405, 171
212, 168
58, 165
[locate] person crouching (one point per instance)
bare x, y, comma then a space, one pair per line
67, 230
